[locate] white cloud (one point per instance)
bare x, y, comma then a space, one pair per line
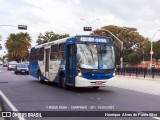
63, 16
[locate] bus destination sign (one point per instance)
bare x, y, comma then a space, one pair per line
94, 39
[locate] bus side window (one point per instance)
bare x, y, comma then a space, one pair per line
41, 54
34, 55
54, 52
54, 56
61, 53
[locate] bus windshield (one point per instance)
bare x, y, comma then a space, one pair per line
94, 56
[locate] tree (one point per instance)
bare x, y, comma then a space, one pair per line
133, 42
49, 36
18, 45
156, 50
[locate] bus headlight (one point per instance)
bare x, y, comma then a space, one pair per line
79, 73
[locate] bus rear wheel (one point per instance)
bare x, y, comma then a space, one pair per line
63, 82
39, 77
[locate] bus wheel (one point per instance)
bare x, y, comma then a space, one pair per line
63, 83
39, 77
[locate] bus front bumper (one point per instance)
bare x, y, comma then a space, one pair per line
83, 82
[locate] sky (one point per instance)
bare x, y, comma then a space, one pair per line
65, 16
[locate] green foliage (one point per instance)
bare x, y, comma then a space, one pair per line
49, 36
156, 49
134, 44
18, 45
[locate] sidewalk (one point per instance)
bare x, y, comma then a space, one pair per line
139, 84
139, 77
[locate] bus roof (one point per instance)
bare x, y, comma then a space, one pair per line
71, 38
52, 42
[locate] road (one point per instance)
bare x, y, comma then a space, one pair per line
121, 94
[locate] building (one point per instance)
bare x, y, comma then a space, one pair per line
148, 64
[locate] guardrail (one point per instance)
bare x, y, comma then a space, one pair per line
138, 72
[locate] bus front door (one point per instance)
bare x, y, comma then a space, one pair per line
70, 72
47, 64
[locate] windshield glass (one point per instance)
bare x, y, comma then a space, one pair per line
12, 62
93, 56
22, 66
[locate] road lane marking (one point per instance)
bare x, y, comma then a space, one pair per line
157, 118
10, 104
21, 118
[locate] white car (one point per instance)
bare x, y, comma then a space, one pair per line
12, 65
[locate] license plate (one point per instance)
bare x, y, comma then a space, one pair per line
22, 71
98, 82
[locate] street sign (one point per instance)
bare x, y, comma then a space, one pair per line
22, 27
87, 28
151, 52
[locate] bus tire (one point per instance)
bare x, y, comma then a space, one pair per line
63, 82
39, 77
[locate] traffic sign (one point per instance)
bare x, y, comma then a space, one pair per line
87, 28
22, 27
151, 52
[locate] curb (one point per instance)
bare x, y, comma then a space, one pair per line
142, 78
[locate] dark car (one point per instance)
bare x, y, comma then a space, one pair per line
22, 69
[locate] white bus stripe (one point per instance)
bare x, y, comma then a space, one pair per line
10, 104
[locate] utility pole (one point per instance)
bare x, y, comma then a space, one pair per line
151, 52
88, 28
21, 27
121, 57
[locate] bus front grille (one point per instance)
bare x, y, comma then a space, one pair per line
97, 76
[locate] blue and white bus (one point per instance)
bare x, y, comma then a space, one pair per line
79, 61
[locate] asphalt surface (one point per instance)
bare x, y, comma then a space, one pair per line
121, 94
